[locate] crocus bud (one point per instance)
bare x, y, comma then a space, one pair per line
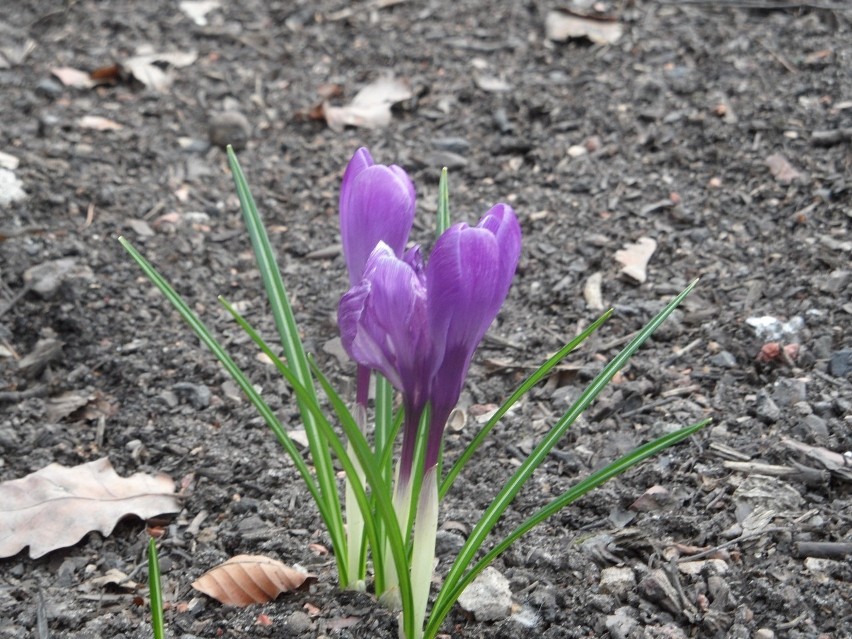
376, 205
468, 277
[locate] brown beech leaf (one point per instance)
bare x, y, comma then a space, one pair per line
371, 107
249, 579
56, 506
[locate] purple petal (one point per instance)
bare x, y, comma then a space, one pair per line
468, 278
376, 205
383, 322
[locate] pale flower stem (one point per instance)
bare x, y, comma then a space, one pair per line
423, 551
354, 517
402, 507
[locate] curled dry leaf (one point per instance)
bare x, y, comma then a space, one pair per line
249, 579
634, 258
148, 70
567, 25
371, 107
56, 506
73, 77
781, 169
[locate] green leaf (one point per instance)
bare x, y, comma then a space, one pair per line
507, 494
443, 203
155, 591
294, 351
593, 481
241, 380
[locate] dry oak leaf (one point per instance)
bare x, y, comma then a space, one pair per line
634, 259
568, 25
56, 506
371, 107
249, 579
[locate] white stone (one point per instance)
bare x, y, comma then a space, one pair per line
489, 597
11, 188
617, 582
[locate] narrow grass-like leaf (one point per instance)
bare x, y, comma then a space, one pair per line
522, 390
591, 482
155, 591
443, 203
294, 351
381, 493
239, 377
384, 420
510, 490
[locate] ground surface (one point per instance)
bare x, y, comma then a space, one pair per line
680, 116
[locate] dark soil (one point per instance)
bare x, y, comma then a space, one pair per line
680, 116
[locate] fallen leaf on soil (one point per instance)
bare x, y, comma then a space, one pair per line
56, 506
781, 169
371, 107
114, 577
247, 579
197, 10
73, 77
634, 258
566, 25
147, 69
98, 123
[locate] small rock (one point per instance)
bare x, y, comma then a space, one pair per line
299, 623
724, 359
790, 391
11, 188
621, 625
488, 598
198, 395
764, 633
767, 410
49, 88
577, 150
618, 582
815, 425
840, 363
229, 127
46, 278
452, 144
666, 631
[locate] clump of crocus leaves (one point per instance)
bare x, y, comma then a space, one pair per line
413, 325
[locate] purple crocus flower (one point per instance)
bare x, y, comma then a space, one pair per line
382, 323
376, 205
468, 277
420, 329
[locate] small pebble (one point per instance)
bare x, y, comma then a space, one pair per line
816, 425
767, 410
724, 359
789, 391
49, 88
764, 633
840, 363
618, 582
488, 598
299, 623
229, 127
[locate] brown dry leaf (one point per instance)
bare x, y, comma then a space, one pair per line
634, 258
73, 77
371, 107
146, 69
567, 25
781, 169
97, 123
56, 506
248, 579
